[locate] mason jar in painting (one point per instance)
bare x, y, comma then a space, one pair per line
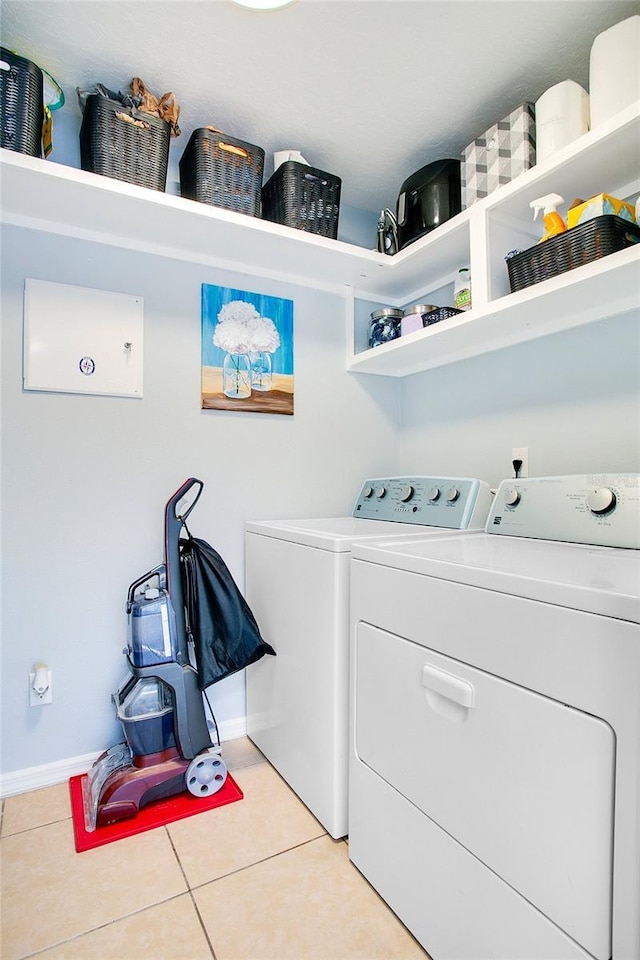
261, 371
236, 376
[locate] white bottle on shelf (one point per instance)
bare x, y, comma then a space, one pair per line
462, 290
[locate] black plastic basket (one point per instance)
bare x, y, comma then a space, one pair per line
304, 198
21, 104
441, 313
222, 171
588, 241
125, 144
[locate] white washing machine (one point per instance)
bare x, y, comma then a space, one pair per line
495, 755
297, 584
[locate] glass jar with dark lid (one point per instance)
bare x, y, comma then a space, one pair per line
384, 326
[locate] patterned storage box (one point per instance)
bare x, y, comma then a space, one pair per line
505, 150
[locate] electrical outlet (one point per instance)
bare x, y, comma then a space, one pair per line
521, 453
35, 699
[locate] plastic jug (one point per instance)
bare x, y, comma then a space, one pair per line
562, 115
614, 70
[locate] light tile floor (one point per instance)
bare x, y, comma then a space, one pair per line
259, 879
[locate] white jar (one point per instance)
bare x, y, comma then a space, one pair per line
562, 115
614, 70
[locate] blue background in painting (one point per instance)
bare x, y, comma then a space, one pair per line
275, 308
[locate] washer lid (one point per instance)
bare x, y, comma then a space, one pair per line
602, 580
337, 534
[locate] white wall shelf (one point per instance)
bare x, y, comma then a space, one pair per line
50, 197
582, 296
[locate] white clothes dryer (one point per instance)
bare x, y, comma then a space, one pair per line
495, 753
297, 585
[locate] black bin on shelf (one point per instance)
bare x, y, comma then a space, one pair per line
222, 171
126, 144
589, 241
21, 104
304, 198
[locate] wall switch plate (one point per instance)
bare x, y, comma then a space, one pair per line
521, 453
34, 699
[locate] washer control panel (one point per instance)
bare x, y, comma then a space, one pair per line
598, 509
458, 503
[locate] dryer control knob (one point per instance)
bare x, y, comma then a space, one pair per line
367, 492
601, 500
380, 492
452, 494
406, 493
433, 494
512, 498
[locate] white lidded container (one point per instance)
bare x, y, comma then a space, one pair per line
562, 115
614, 70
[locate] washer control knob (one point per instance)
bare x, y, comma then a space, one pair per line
406, 493
512, 498
367, 492
452, 494
433, 493
380, 492
601, 500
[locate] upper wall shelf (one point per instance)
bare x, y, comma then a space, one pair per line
54, 198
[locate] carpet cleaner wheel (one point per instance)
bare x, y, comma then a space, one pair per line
206, 774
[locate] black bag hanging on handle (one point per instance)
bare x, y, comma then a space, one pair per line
225, 633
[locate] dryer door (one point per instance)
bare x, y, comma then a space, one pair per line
521, 781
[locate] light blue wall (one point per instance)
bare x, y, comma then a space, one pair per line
85, 479
572, 399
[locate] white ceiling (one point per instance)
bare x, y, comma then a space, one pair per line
369, 90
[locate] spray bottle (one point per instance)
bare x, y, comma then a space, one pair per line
553, 222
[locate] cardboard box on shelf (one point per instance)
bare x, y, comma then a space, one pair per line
598, 206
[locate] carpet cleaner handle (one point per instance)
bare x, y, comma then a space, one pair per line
176, 512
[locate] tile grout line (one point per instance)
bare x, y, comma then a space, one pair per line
256, 863
101, 926
190, 893
36, 826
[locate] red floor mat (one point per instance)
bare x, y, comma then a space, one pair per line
155, 815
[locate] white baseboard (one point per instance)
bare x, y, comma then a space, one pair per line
49, 774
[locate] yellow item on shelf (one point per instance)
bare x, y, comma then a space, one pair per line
598, 206
553, 222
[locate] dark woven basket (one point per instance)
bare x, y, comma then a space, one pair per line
588, 241
21, 104
304, 198
435, 316
222, 171
116, 148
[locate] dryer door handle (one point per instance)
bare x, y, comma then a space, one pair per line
449, 686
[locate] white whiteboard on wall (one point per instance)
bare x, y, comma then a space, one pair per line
79, 340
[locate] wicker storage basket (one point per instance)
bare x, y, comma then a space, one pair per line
222, 171
304, 198
21, 104
134, 149
441, 313
589, 241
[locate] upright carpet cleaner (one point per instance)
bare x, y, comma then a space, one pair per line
188, 627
